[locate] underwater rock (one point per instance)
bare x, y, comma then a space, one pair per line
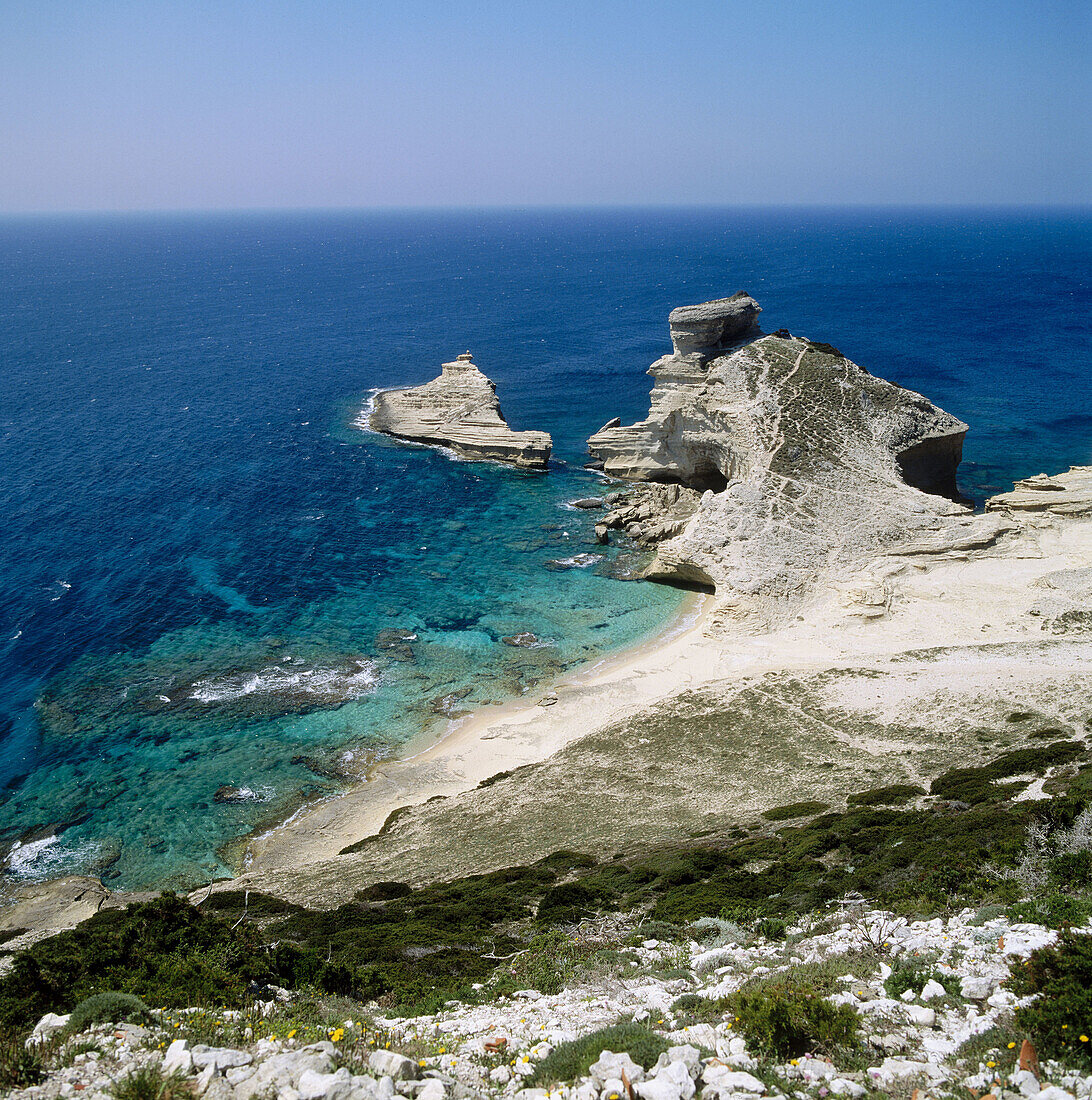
523, 638
395, 643
577, 561
459, 410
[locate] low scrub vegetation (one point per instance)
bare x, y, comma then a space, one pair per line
412, 948
573, 1059
1059, 1020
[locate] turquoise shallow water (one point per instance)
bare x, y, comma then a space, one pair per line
211, 578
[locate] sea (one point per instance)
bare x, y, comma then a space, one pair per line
221, 599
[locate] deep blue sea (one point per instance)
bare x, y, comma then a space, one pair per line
203, 560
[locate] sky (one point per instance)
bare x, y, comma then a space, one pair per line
217, 104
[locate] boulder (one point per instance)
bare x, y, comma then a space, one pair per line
387, 1063
177, 1058
610, 1066
48, 1025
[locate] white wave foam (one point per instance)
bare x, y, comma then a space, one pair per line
48, 858
64, 587
321, 683
579, 561
249, 794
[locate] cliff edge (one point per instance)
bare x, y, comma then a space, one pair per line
805, 462
459, 410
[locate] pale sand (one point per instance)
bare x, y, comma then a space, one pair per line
498, 738
896, 606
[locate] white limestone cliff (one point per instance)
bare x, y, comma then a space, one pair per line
458, 410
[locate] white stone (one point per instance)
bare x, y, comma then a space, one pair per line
932, 989
976, 988
920, 1015
611, 1066
909, 995
388, 1063
672, 1082
325, 1086
734, 1080
46, 1026
177, 1058
1026, 1082
433, 1090
841, 1087
689, 1055
220, 1057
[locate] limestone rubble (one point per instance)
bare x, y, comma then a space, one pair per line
911, 1042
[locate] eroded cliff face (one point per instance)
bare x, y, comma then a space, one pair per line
458, 410
806, 462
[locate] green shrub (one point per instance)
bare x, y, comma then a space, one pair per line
1072, 870
976, 785
573, 1059
20, 1066
568, 902
786, 1019
546, 964
166, 951
1054, 909
913, 974
151, 1083
772, 928
107, 1008
689, 1002
894, 795
1061, 978
795, 809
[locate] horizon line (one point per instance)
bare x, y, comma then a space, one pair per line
538, 207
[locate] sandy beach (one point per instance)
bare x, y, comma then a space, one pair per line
497, 739
951, 627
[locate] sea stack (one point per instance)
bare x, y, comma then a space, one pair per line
459, 410
795, 461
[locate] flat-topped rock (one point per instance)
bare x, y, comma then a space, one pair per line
712, 325
459, 410
1067, 494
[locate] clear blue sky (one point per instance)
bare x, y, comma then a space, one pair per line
109, 105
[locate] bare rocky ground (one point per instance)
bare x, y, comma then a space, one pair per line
948, 1033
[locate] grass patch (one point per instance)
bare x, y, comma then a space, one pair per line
151, 1083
